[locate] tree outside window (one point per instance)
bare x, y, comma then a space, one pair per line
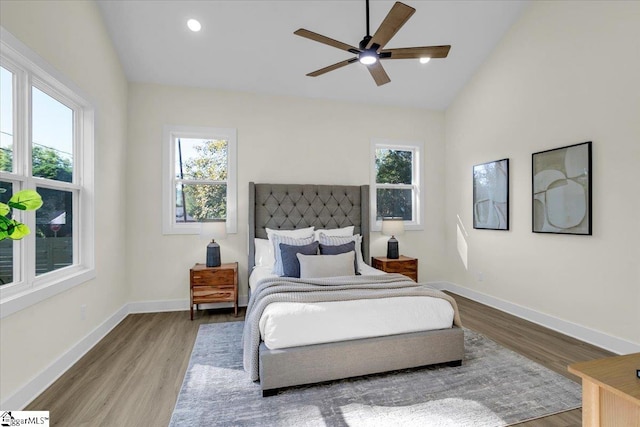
395, 182
394, 171
200, 178
201, 193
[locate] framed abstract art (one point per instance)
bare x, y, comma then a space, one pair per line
491, 195
561, 180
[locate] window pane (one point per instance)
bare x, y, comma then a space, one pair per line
201, 159
52, 133
203, 202
393, 166
395, 203
6, 120
54, 230
6, 245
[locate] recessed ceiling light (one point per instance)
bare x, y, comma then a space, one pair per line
194, 25
424, 59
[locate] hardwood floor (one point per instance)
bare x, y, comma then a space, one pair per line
133, 376
544, 346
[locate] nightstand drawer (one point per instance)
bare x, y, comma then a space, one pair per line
213, 277
213, 294
403, 265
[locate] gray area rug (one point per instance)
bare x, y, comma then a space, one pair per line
493, 387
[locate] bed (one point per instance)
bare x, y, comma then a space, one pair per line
289, 363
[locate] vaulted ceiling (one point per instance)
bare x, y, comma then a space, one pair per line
250, 46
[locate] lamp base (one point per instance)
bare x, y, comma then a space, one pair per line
213, 255
393, 251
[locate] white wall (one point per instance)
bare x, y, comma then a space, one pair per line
72, 38
280, 140
567, 72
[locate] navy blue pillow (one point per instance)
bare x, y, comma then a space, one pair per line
290, 263
340, 249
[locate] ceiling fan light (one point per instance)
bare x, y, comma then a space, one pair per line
367, 58
425, 59
194, 25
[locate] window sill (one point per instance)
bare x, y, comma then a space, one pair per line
13, 303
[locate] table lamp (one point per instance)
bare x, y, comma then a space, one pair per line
213, 230
392, 227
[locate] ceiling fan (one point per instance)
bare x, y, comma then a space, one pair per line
370, 50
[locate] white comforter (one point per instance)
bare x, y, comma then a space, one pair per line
286, 324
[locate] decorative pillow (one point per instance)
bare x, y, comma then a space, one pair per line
298, 233
340, 249
290, 263
337, 240
276, 239
344, 231
326, 265
264, 253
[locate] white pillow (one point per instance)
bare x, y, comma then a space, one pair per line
338, 240
300, 233
276, 239
264, 253
344, 231
326, 265
297, 233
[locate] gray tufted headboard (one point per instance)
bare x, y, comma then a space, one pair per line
291, 206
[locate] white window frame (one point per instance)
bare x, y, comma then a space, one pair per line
31, 70
169, 181
417, 147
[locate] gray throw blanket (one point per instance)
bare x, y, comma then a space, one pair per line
281, 289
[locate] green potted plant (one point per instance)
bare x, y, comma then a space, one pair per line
26, 200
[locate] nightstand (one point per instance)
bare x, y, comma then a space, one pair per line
214, 284
403, 265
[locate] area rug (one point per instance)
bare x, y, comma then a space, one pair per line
493, 387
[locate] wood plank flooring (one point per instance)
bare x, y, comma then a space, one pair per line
132, 377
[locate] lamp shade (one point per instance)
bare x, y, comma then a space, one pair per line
392, 226
213, 230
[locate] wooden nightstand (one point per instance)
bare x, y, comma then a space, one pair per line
403, 265
214, 284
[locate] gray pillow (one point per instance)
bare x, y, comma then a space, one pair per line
340, 249
290, 263
326, 265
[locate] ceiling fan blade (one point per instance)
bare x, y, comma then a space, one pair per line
416, 52
378, 73
326, 40
332, 67
395, 19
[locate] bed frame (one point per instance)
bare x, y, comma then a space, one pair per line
291, 206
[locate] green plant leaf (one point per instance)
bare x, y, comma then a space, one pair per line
5, 223
4, 209
26, 200
19, 231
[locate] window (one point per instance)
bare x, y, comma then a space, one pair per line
396, 182
199, 178
46, 144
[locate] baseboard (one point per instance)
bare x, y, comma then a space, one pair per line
27, 393
178, 305
591, 336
